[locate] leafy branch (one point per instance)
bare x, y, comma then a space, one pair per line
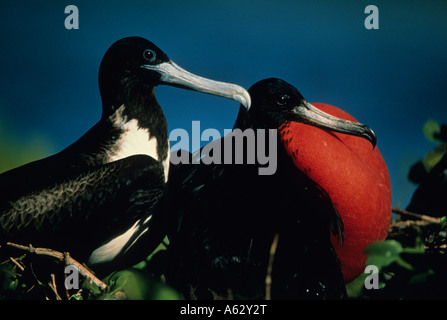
63, 257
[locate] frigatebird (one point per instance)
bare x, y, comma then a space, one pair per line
232, 228
98, 197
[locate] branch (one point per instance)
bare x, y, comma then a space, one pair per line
17, 263
416, 215
268, 277
64, 257
52, 285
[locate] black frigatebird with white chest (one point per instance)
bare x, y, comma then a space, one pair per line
227, 216
98, 196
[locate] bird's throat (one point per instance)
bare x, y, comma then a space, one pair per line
134, 140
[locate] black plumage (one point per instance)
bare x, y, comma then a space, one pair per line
101, 194
224, 219
82, 211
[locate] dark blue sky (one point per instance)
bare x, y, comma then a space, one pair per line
392, 79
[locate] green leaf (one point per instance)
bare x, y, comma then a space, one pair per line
432, 129
134, 284
7, 270
164, 292
383, 253
90, 286
419, 245
404, 264
421, 278
442, 222
432, 158
125, 280
354, 289
76, 296
142, 265
8, 277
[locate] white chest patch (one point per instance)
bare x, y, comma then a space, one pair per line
133, 141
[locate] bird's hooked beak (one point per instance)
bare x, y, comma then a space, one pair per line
172, 74
309, 114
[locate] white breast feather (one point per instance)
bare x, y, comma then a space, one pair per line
134, 140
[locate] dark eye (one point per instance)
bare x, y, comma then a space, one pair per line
149, 55
282, 100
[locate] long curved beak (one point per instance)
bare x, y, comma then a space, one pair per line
309, 114
172, 74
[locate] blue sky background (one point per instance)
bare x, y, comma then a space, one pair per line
392, 79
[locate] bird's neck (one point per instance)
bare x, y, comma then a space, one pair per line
141, 127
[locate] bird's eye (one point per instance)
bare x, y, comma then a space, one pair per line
283, 99
149, 55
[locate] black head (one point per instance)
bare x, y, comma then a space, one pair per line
274, 101
126, 58
122, 66
134, 66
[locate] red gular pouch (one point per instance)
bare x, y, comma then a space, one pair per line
355, 177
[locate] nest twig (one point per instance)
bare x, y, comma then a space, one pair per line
64, 257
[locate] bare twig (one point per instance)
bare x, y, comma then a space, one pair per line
52, 285
268, 277
401, 224
416, 215
64, 257
31, 288
17, 263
